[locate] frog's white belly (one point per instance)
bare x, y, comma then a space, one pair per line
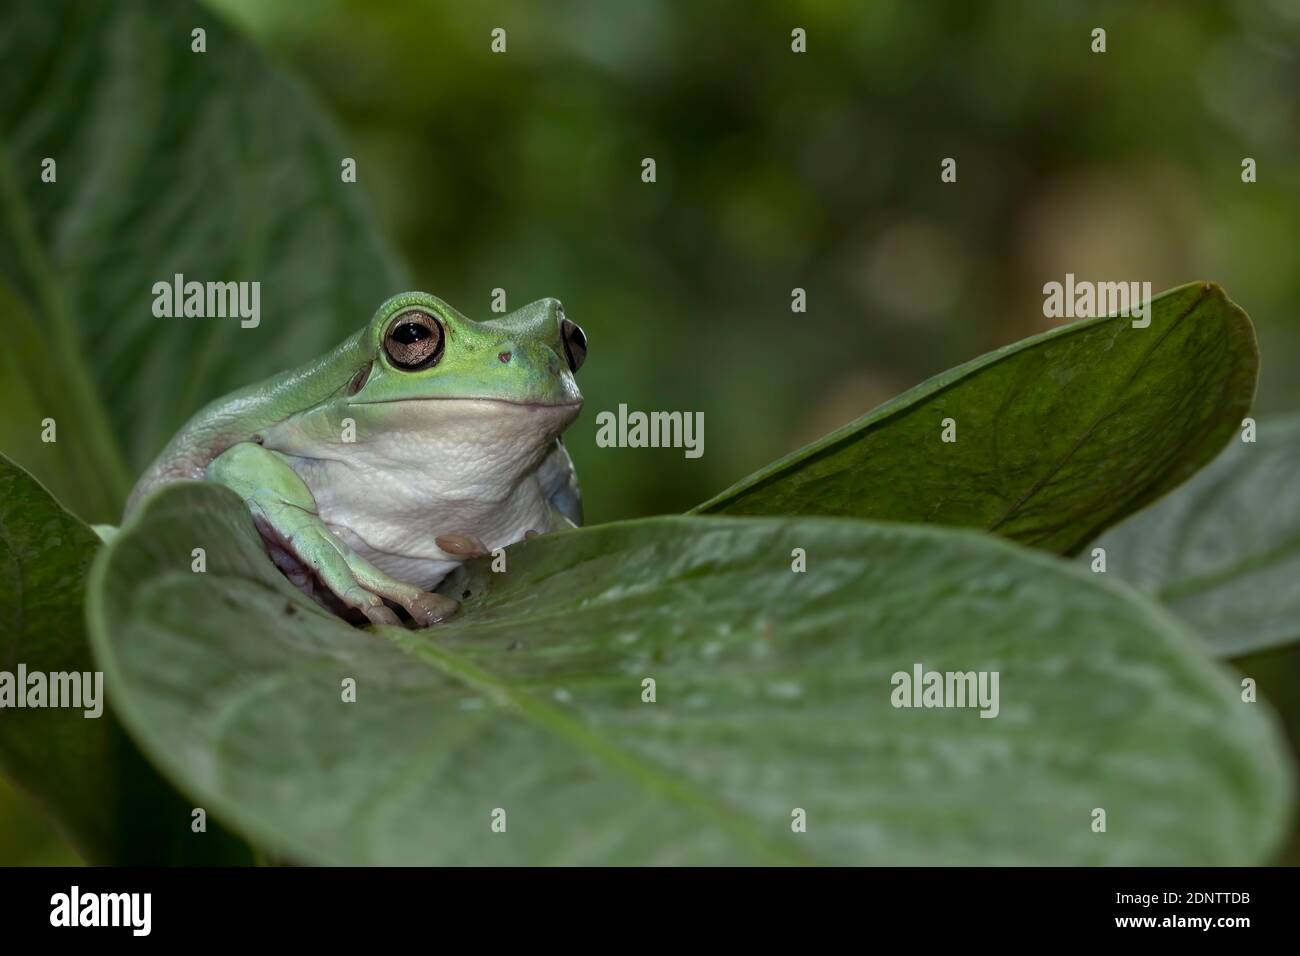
386, 519
475, 472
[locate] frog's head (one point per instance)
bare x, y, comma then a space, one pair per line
422, 348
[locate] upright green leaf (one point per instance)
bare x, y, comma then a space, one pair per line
1223, 552
1057, 437
772, 694
84, 770
53, 420
212, 165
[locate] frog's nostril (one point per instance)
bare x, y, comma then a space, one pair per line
504, 357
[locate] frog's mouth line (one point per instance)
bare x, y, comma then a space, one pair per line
460, 398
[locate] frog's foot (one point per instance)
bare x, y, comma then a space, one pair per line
286, 517
461, 545
356, 582
425, 607
319, 554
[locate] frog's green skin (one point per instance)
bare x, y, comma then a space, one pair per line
447, 461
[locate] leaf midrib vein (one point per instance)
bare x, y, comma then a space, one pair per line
1101, 415
1227, 573
552, 719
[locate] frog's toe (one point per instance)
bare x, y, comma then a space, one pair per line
461, 545
424, 607
382, 615
371, 605
430, 608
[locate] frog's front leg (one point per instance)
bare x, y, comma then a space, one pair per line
284, 509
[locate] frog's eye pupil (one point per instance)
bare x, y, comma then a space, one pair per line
575, 344
414, 341
408, 333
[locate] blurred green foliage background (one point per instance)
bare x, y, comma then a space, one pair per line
820, 170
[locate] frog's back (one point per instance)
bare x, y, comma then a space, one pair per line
243, 413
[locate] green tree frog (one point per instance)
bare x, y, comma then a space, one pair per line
424, 439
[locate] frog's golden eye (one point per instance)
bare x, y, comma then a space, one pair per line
414, 340
575, 344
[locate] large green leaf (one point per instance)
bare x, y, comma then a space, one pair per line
212, 165
1223, 552
52, 418
1058, 436
773, 693
85, 771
